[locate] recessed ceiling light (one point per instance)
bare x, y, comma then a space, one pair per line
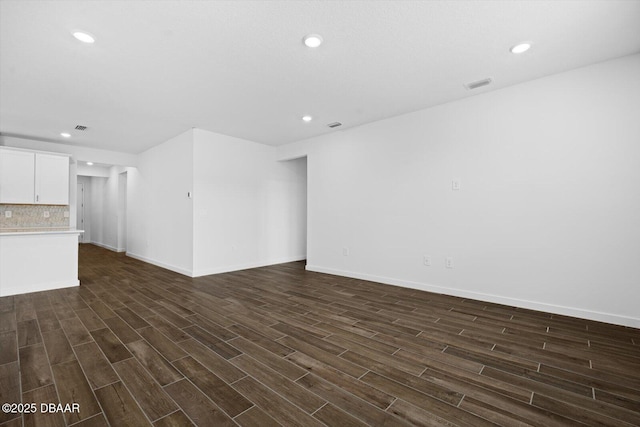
65, 135
90, 163
312, 40
521, 47
307, 118
84, 37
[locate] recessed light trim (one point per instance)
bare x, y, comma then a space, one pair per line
307, 118
84, 37
89, 163
65, 135
521, 47
312, 40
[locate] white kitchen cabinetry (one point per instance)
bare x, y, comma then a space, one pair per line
28, 177
38, 260
17, 177
52, 179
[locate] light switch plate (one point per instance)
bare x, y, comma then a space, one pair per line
46, 214
7, 214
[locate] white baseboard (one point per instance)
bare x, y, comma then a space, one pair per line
102, 245
245, 266
161, 264
215, 270
532, 305
38, 287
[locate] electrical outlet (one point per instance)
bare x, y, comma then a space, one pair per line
448, 262
46, 214
455, 185
426, 260
7, 214
345, 251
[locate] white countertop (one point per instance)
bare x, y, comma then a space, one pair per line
32, 231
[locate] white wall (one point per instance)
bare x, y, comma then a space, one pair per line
84, 170
547, 214
96, 204
160, 215
104, 208
250, 210
110, 213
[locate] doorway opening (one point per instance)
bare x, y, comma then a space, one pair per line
297, 219
101, 206
80, 212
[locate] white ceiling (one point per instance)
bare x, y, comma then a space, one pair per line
239, 68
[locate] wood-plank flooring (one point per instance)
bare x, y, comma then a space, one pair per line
139, 345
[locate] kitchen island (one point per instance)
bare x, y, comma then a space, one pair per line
38, 259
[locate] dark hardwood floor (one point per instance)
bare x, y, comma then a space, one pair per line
138, 345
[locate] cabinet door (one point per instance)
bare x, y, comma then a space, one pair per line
52, 179
16, 177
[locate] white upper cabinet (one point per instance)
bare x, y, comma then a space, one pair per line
17, 177
52, 179
27, 178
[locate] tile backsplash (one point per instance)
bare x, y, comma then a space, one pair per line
33, 216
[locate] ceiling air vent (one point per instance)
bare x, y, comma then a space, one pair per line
80, 127
477, 84
334, 124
